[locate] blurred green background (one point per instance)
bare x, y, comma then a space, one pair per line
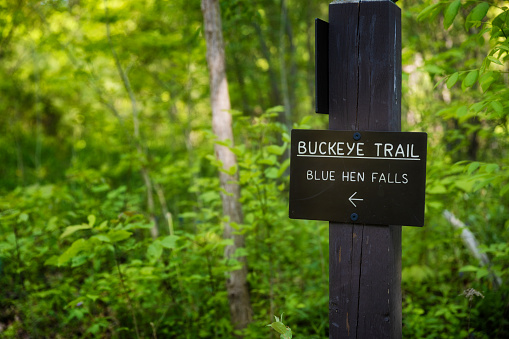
110, 212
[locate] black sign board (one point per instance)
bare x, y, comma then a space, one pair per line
373, 178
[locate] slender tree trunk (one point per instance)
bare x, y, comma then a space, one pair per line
236, 282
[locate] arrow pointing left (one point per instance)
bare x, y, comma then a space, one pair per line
351, 199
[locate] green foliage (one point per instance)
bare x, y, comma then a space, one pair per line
279, 327
85, 253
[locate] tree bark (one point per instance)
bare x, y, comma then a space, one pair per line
236, 281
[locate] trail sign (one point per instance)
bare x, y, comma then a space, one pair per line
365, 177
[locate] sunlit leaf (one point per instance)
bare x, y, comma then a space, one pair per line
71, 229
451, 12
118, 235
452, 80
476, 14
470, 79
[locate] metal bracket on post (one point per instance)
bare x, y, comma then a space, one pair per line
321, 66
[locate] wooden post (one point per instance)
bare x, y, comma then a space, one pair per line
364, 95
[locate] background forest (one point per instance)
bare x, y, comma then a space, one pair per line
111, 222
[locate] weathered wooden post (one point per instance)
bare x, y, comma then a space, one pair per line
363, 175
364, 94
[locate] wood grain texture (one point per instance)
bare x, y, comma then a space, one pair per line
364, 94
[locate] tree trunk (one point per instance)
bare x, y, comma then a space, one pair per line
236, 282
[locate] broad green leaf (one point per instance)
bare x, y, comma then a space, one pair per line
71, 229
23, 217
495, 60
437, 189
154, 251
497, 106
477, 107
76, 247
428, 11
271, 173
433, 69
465, 185
79, 260
476, 14
502, 20
487, 79
461, 111
53, 260
451, 12
452, 80
470, 79
118, 235
278, 327
91, 220
490, 168
277, 150
102, 237
472, 167
276, 109
170, 242
270, 160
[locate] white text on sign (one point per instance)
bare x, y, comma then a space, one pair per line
342, 149
350, 176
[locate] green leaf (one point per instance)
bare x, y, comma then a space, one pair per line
279, 327
91, 220
501, 20
53, 260
102, 237
469, 268
477, 107
271, 173
437, 189
490, 168
472, 167
118, 235
76, 247
470, 79
277, 150
240, 252
503, 191
154, 251
170, 242
433, 69
487, 79
495, 60
497, 107
476, 14
428, 11
481, 273
461, 111
452, 80
231, 171
71, 229
451, 12
23, 217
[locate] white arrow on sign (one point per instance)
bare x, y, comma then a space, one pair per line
352, 198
